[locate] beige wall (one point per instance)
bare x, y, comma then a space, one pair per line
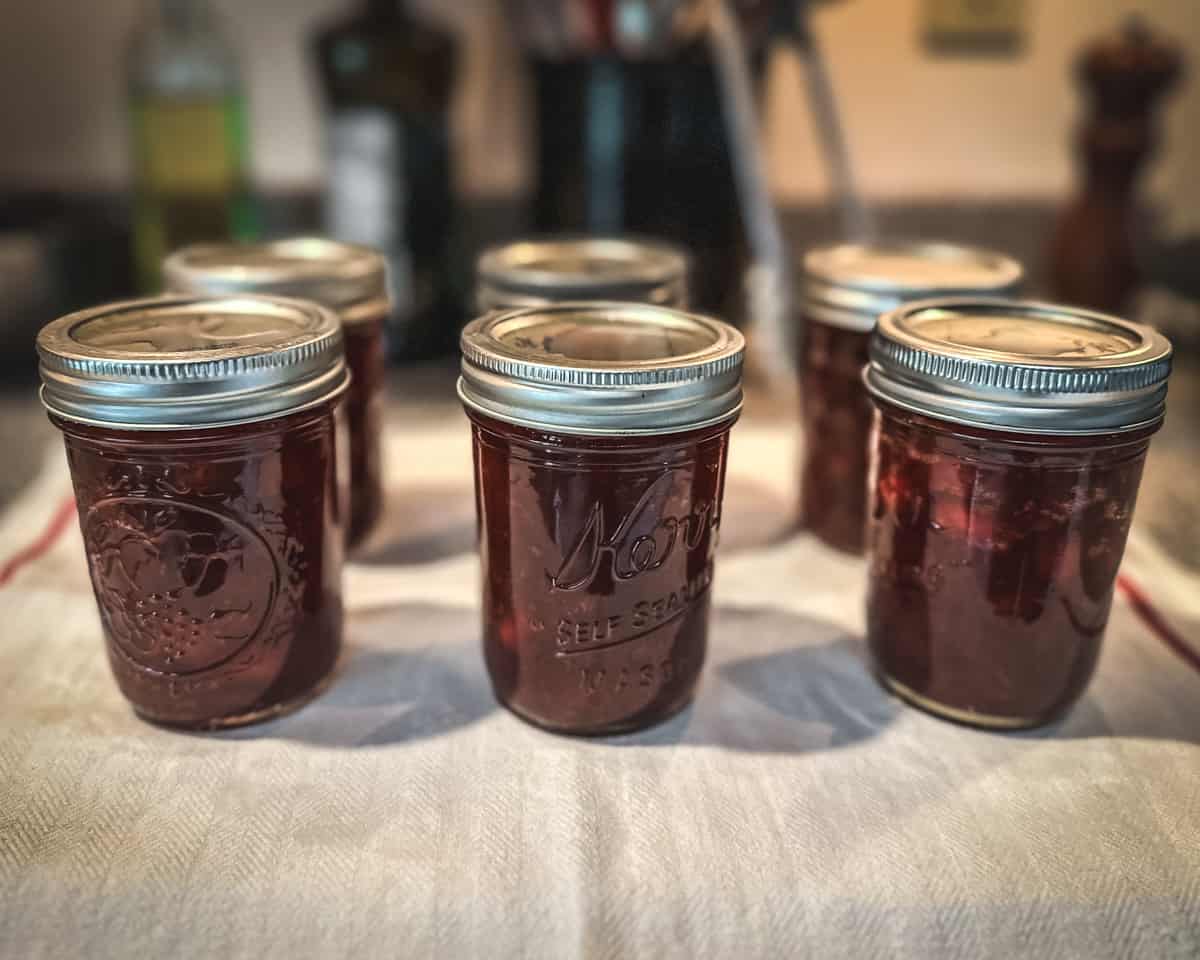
934, 127
918, 126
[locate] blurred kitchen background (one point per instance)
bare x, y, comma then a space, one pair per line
434, 128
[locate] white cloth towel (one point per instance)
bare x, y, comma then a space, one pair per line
794, 810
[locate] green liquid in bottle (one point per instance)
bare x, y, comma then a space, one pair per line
191, 184
189, 135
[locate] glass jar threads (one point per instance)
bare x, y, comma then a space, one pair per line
200, 434
553, 270
351, 281
1010, 443
846, 287
600, 439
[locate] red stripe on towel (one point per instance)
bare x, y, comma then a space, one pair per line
1157, 622
46, 539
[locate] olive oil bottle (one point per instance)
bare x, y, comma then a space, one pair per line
188, 130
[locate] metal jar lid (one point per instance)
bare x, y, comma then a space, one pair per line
347, 278
851, 284
602, 368
1019, 365
183, 362
534, 272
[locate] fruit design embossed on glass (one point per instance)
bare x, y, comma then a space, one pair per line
215, 551
600, 442
348, 279
995, 543
846, 287
182, 589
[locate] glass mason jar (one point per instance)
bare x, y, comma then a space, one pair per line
1010, 439
349, 280
531, 273
201, 439
600, 440
846, 287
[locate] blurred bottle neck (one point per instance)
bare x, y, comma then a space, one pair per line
181, 49
385, 9
185, 16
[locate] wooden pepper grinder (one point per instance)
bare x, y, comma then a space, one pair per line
1092, 258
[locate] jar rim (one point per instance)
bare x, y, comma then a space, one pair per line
850, 285
186, 362
1151, 425
346, 277
542, 270
1019, 365
602, 368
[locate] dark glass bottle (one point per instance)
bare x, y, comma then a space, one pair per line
387, 78
640, 146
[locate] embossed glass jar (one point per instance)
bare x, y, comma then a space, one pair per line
531, 273
846, 288
1010, 441
352, 282
203, 450
600, 440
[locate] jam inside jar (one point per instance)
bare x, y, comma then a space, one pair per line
351, 281
203, 442
364, 419
1009, 444
836, 416
846, 287
600, 440
597, 561
994, 557
215, 557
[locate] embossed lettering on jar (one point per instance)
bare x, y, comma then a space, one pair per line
846, 288
1010, 442
600, 437
351, 281
201, 439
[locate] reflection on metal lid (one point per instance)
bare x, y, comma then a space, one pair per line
1020, 337
181, 361
573, 336
1032, 367
602, 368
850, 285
336, 275
533, 272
